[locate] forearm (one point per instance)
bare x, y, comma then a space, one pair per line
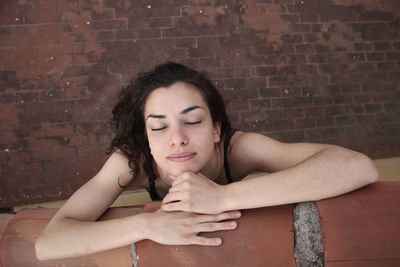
328, 173
70, 237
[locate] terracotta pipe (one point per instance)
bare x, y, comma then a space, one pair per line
356, 229
362, 228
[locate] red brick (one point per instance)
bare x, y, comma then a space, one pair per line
373, 108
336, 132
314, 134
127, 34
365, 119
291, 114
325, 122
361, 98
275, 56
210, 63
292, 18
288, 136
375, 56
317, 58
314, 112
354, 109
306, 18
292, 38
382, 45
259, 104
301, 28
102, 15
342, 98
305, 123
161, 22
105, 36
312, 37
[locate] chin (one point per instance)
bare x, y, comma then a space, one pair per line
179, 170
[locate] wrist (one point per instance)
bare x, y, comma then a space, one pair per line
142, 223
223, 204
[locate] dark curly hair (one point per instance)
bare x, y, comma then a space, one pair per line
128, 113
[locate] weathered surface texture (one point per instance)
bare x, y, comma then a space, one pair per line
359, 229
309, 70
309, 248
264, 237
362, 228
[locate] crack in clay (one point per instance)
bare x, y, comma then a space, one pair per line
309, 247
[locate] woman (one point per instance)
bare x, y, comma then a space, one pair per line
173, 138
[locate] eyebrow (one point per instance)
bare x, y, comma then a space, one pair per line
183, 112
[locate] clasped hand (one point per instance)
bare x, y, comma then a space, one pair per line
191, 206
193, 192
182, 228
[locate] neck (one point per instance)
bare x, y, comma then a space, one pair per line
214, 167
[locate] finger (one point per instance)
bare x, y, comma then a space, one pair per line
152, 206
175, 206
220, 217
187, 175
204, 241
175, 188
212, 227
172, 197
177, 181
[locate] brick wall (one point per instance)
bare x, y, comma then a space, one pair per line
310, 70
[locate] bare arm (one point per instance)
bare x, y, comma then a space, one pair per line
301, 172
73, 231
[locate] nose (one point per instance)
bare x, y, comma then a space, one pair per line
178, 138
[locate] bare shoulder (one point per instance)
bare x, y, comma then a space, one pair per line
265, 154
98, 193
117, 168
116, 164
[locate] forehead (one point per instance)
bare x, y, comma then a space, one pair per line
179, 96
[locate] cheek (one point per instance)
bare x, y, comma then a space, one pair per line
154, 145
206, 140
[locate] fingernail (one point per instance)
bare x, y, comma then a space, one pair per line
238, 214
218, 241
232, 224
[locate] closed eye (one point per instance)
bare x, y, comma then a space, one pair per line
191, 123
158, 129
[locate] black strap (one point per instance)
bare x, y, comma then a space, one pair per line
228, 136
153, 192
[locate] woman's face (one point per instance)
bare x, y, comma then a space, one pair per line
179, 128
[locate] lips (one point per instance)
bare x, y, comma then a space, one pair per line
180, 157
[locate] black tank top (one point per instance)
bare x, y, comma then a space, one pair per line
153, 192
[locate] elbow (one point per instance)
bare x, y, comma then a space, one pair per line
44, 248
40, 249
373, 171
366, 169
